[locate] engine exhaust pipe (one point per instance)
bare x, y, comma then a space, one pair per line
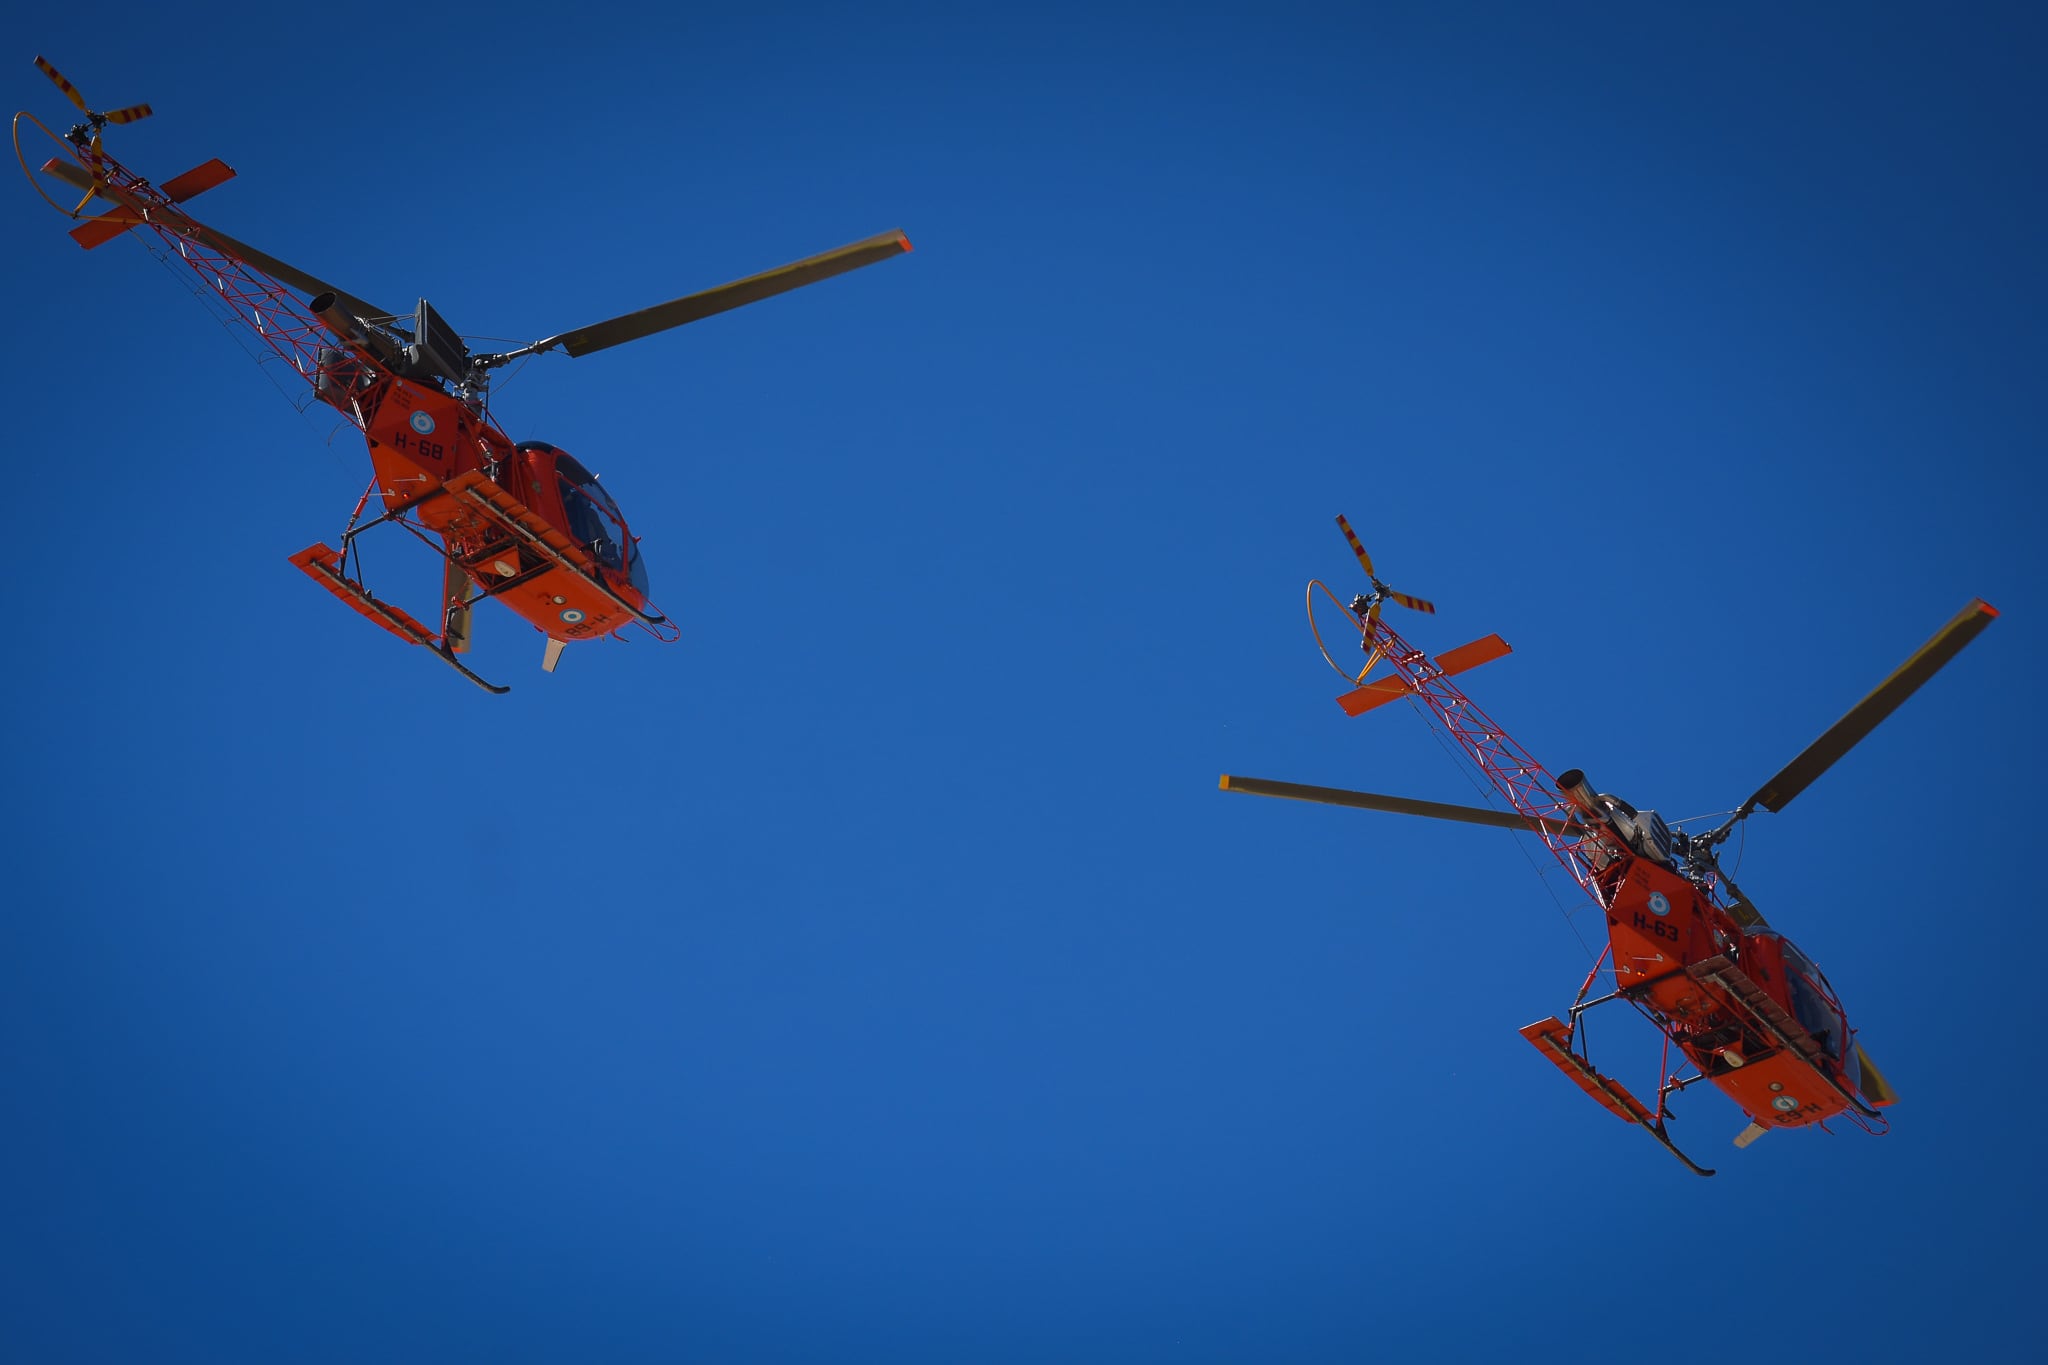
348, 330
1572, 785
341, 324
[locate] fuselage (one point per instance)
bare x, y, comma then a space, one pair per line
534, 529
1750, 1011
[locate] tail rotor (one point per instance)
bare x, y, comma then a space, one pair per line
1369, 607
87, 134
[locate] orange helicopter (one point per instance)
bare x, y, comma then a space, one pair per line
1742, 1007
521, 522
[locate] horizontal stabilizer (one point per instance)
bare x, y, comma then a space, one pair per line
1466, 657
115, 220
98, 231
1377, 693
198, 180
1360, 700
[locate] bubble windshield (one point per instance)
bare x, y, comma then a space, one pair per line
596, 523
1817, 1007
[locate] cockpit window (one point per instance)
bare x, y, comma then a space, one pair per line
1813, 1001
587, 526
596, 523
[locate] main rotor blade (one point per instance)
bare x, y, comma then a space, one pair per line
75, 175
70, 90
1874, 1087
1841, 737
310, 285
1739, 905
691, 307
1397, 805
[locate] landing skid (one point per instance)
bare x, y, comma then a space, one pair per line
449, 659
1553, 1038
323, 566
1656, 1130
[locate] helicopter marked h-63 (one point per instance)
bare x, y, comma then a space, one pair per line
1742, 1007
522, 522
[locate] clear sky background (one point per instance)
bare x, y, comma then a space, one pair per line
878, 975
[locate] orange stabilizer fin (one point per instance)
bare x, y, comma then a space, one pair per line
1553, 1038
1466, 657
198, 180
115, 220
104, 228
1360, 700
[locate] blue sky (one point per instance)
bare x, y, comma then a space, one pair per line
877, 974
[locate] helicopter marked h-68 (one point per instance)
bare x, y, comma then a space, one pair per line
522, 522
1744, 1009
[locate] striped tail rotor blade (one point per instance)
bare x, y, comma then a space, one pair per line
1412, 603
1364, 559
70, 90
130, 114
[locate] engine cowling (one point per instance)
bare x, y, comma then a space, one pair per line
1643, 833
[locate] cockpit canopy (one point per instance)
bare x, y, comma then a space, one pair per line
594, 519
1814, 1002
